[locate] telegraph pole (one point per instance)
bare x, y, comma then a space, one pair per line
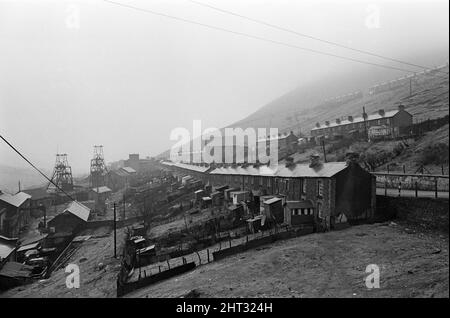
410, 87
115, 228
324, 152
365, 123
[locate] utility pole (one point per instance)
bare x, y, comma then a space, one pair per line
365, 123
410, 87
324, 152
115, 228
123, 197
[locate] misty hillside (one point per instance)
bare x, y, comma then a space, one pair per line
10, 177
300, 109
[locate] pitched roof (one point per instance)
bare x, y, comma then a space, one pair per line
79, 210
191, 167
360, 119
128, 169
102, 189
271, 201
7, 246
15, 200
324, 170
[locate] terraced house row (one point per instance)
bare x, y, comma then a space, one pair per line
332, 191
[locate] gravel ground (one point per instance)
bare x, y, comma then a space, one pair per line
412, 264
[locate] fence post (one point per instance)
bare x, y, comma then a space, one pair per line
168, 264
416, 189
442, 168
385, 187
207, 251
435, 188
387, 168
404, 169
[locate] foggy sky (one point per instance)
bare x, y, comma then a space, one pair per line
74, 74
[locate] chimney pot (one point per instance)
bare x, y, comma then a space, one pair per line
381, 112
327, 123
314, 160
351, 157
338, 121
350, 118
401, 107
317, 125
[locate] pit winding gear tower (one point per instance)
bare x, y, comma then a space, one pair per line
98, 168
62, 174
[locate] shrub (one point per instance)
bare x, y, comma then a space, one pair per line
434, 154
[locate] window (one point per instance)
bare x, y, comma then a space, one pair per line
319, 209
319, 188
303, 185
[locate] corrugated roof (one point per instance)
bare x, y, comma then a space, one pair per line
79, 210
324, 170
15, 200
360, 119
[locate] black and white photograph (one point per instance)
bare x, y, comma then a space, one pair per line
224, 155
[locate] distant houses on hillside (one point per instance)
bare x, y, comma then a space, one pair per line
388, 124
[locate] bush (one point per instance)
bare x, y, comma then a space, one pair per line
434, 154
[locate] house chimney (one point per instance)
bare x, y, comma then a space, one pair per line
381, 112
327, 123
317, 125
401, 107
364, 115
351, 157
338, 121
290, 162
350, 118
314, 160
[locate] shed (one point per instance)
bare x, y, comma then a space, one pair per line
240, 196
14, 274
273, 208
299, 212
75, 215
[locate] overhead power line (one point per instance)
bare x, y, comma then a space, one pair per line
29, 162
309, 36
258, 37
